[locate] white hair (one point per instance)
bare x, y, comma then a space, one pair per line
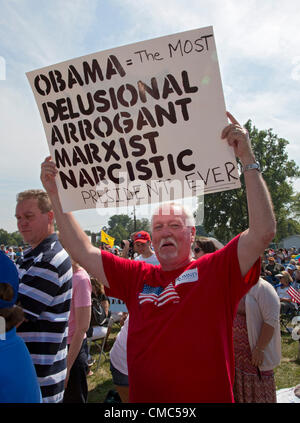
179, 210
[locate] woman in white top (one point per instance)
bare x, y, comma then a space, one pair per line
257, 344
286, 304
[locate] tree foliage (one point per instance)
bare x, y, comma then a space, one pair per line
122, 226
10, 239
225, 213
295, 207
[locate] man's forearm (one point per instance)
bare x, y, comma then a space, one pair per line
77, 243
260, 210
73, 238
262, 224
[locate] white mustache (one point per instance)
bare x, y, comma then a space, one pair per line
167, 240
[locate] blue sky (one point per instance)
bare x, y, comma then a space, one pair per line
258, 50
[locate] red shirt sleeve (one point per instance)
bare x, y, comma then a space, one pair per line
227, 268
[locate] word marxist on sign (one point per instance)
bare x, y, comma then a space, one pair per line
107, 151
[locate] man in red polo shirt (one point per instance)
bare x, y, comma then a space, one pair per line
176, 353
142, 245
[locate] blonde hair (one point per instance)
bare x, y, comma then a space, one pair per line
286, 276
41, 196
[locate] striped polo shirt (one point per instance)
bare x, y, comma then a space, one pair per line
45, 294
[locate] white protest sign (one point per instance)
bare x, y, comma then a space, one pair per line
122, 122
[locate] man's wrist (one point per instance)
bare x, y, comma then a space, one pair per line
249, 159
251, 166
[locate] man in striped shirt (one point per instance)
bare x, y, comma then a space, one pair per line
45, 292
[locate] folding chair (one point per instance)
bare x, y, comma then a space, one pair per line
286, 319
100, 332
117, 308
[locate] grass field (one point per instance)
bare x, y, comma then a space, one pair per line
286, 375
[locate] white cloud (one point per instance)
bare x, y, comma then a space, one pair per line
43, 30
250, 28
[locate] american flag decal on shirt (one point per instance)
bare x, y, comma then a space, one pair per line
158, 295
294, 294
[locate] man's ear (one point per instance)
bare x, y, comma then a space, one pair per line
193, 233
51, 217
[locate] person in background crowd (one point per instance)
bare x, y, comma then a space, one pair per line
105, 247
286, 304
290, 268
277, 259
142, 245
257, 345
296, 283
263, 260
98, 297
18, 379
205, 245
3, 249
45, 292
270, 270
76, 387
19, 253
280, 256
11, 254
98, 292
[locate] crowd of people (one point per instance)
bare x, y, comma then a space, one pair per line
168, 286
12, 252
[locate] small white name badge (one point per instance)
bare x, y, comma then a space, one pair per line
190, 275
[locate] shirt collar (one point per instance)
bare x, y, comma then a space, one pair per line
44, 245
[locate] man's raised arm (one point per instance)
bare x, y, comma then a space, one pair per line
72, 236
262, 224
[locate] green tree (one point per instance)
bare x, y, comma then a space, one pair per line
200, 231
10, 239
121, 226
295, 207
225, 213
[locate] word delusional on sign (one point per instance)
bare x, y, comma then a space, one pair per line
153, 110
